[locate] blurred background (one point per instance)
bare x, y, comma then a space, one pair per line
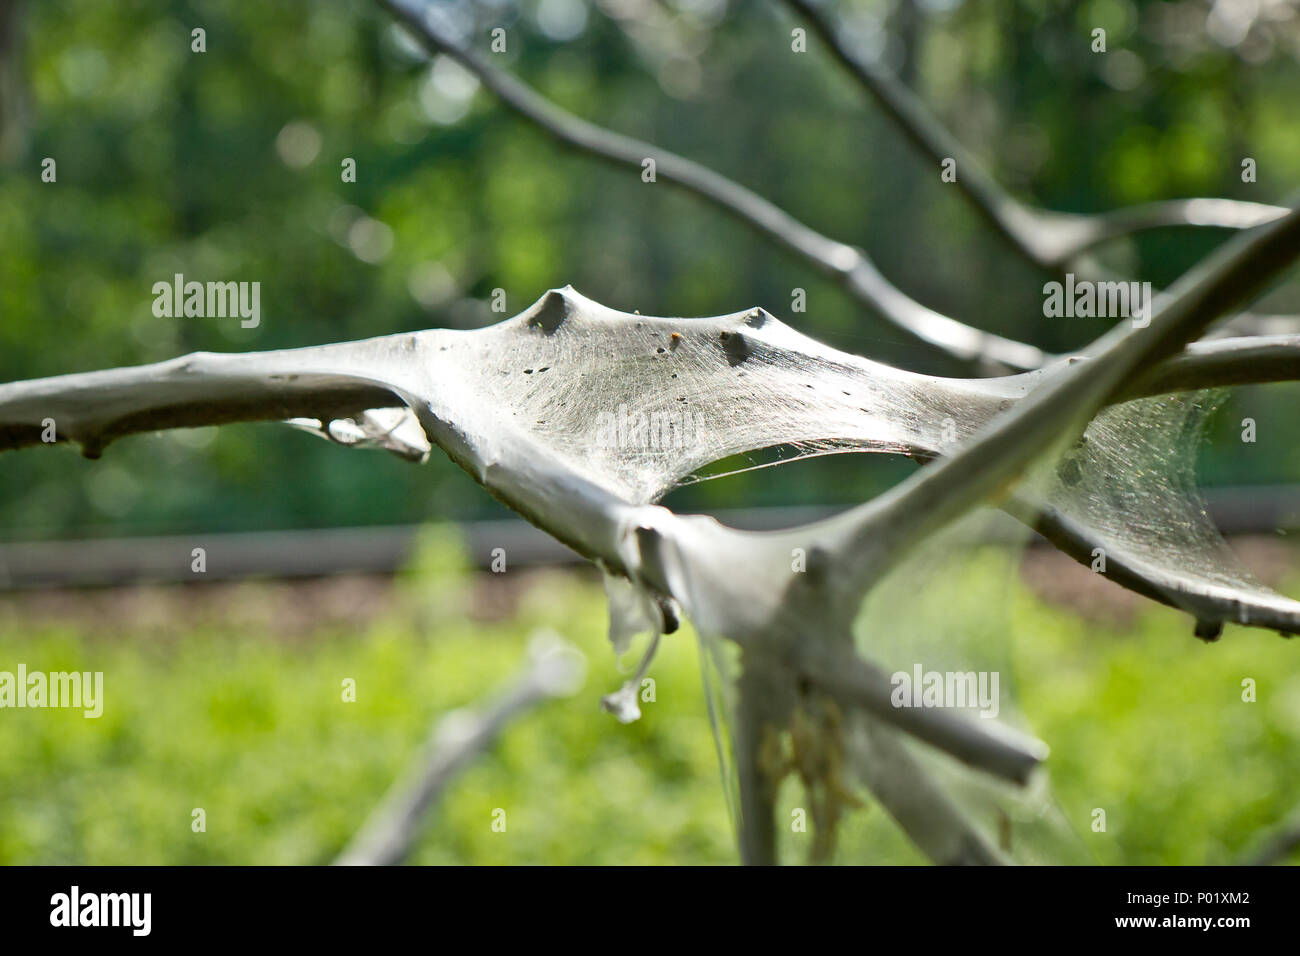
226, 165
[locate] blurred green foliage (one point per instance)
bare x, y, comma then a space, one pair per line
226, 165
249, 725
253, 729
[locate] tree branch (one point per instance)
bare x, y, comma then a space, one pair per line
918, 805
203, 388
1215, 363
555, 669
983, 744
1045, 238
847, 265
756, 687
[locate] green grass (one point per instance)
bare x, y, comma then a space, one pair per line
1144, 722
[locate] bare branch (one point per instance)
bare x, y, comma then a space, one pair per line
758, 684
1045, 238
916, 802
983, 744
555, 669
1214, 363
202, 388
848, 265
